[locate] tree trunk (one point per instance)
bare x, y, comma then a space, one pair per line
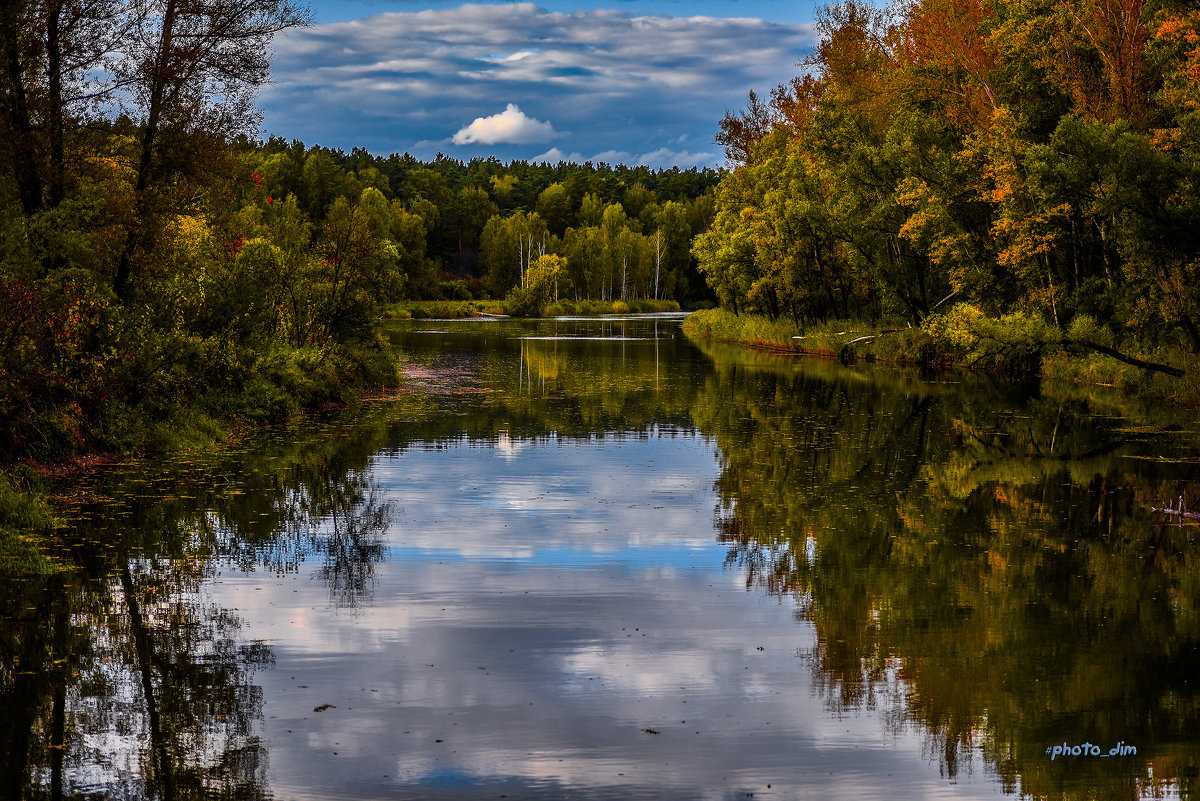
54, 79
158, 79
16, 107
145, 650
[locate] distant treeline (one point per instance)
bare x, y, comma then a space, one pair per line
254, 282
473, 228
1031, 161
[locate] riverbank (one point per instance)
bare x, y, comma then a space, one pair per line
270, 388
458, 309
258, 389
964, 338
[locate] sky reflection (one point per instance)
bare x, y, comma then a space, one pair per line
516, 643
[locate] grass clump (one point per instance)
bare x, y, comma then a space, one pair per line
830, 338
434, 309
26, 520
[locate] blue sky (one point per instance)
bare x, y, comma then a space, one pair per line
622, 81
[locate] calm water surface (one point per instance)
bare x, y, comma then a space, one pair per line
586, 559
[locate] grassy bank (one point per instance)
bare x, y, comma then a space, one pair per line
599, 307
831, 338
26, 521
193, 404
458, 309
441, 309
964, 338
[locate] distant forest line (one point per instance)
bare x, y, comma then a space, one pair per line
469, 229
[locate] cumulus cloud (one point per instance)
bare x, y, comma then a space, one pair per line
612, 82
665, 158
510, 126
662, 158
612, 157
554, 156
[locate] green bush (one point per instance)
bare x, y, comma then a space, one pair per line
454, 290
533, 298
1014, 341
526, 302
1084, 328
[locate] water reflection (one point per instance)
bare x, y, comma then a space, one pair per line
990, 568
130, 683
510, 580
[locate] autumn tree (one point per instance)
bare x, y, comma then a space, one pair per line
191, 70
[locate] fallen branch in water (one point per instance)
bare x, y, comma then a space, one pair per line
1179, 511
1035, 346
846, 352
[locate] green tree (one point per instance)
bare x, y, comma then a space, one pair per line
359, 270
591, 210
471, 211
554, 206
587, 260
636, 198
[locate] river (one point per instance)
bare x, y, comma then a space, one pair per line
589, 559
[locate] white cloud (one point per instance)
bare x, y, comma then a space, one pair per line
612, 82
612, 157
554, 156
665, 158
510, 126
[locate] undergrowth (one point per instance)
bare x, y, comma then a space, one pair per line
1020, 344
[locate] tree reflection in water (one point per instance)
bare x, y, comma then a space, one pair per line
988, 571
119, 678
128, 685
977, 561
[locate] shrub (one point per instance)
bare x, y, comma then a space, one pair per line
454, 290
1014, 341
541, 280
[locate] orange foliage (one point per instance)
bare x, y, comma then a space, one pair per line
948, 43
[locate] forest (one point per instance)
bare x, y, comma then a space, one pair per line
472, 230
166, 276
979, 170
994, 183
